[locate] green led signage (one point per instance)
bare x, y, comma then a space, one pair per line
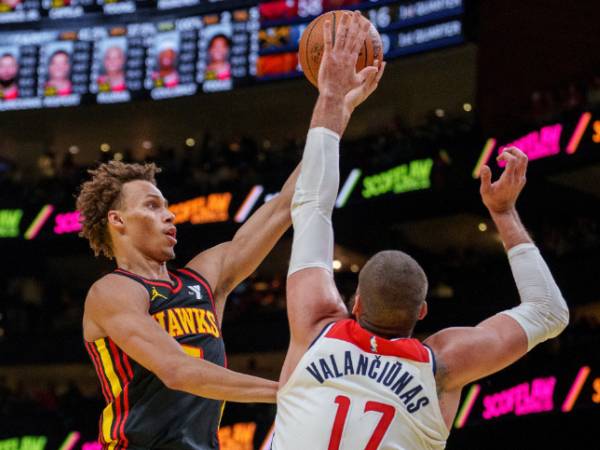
9, 224
413, 176
24, 443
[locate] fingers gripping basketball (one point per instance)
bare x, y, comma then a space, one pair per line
312, 43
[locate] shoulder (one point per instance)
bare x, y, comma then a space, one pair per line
107, 297
114, 290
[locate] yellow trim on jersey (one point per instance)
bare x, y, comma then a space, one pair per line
109, 370
221, 415
115, 387
107, 420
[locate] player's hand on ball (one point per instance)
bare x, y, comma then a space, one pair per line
337, 74
500, 196
370, 82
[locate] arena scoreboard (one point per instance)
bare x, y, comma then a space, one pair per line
68, 52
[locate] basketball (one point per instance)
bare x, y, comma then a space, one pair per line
310, 49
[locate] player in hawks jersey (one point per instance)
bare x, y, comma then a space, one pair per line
154, 335
364, 383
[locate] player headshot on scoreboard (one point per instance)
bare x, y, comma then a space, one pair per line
113, 53
9, 73
58, 80
166, 49
218, 66
57, 4
10, 5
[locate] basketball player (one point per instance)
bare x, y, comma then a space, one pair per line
364, 383
154, 335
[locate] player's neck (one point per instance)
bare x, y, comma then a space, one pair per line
142, 265
384, 332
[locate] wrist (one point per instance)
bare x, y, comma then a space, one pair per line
329, 95
509, 226
503, 214
348, 109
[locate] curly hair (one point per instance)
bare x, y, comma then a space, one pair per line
103, 193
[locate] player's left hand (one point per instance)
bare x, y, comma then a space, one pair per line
370, 81
337, 75
501, 196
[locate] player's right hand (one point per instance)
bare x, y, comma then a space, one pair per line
370, 82
337, 72
501, 196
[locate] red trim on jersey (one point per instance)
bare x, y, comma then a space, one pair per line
126, 413
114, 429
350, 331
116, 352
128, 366
173, 287
179, 283
96, 360
100, 438
204, 283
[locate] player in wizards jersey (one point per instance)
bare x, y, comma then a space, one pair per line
364, 383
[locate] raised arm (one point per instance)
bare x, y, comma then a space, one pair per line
312, 297
228, 264
118, 308
467, 354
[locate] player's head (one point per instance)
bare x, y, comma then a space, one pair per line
167, 59
114, 60
123, 211
218, 49
9, 67
59, 65
391, 293
10, 3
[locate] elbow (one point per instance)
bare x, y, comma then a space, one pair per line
560, 318
171, 377
564, 316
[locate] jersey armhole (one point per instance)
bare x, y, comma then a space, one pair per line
131, 277
433, 362
198, 275
321, 333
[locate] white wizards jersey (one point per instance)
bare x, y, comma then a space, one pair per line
353, 390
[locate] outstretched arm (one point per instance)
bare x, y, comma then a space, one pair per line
312, 297
502, 339
118, 308
228, 264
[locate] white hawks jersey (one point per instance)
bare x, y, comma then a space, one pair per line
353, 390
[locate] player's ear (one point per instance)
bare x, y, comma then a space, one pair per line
357, 307
115, 219
423, 311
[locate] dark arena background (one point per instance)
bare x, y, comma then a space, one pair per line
464, 79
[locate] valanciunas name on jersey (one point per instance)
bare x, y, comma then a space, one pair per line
388, 374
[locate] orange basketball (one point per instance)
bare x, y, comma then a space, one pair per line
310, 49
